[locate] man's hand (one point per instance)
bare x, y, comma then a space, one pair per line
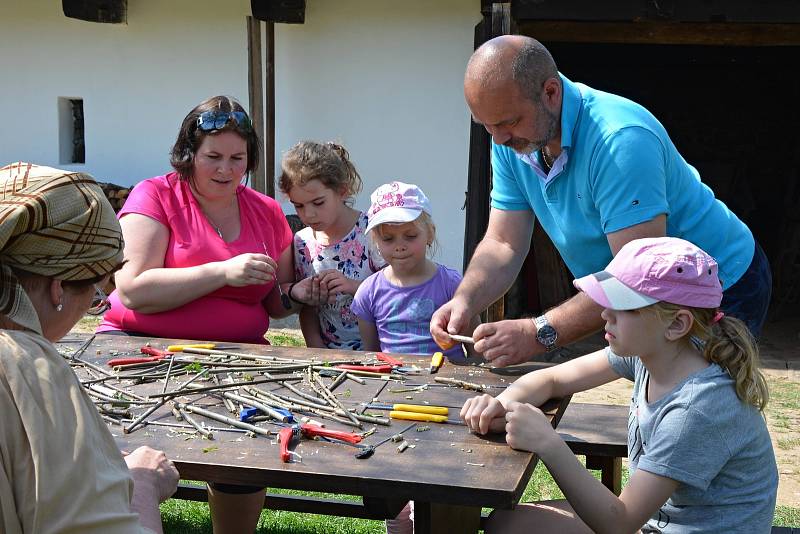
483, 414
506, 342
453, 317
152, 472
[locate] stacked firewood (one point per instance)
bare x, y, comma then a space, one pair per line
116, 194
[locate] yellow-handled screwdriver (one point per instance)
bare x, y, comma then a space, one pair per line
434, 410
417, 416
179, 348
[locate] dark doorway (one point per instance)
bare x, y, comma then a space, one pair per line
732, 112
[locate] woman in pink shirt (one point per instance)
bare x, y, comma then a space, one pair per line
206, 257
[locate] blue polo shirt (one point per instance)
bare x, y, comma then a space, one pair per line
618, 168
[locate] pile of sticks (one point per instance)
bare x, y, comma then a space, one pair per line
233, 379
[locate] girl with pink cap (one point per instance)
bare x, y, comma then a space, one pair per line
700, 455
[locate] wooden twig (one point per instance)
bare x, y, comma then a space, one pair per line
460, 383
138, 421
257, 404
233, 385
323, 389
224, 419
200, 428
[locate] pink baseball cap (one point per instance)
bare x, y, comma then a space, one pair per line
397, 203
650, 270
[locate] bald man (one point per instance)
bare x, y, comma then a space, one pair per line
596, 170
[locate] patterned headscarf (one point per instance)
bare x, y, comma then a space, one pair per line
53, 223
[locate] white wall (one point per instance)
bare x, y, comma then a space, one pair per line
384, 78
137, 80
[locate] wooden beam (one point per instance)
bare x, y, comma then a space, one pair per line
287, 11
269, 109
501, 25
256, 94
501, 18
478, 174
663, 33
747, 11
105, 11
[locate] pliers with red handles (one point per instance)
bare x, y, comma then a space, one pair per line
154, 355
287, 433
390, 364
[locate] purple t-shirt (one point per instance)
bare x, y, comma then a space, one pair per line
402, 315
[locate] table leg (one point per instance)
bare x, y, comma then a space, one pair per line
432, 518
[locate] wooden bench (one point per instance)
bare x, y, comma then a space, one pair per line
599, 432
367, 509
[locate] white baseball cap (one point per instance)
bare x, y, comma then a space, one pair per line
397, 203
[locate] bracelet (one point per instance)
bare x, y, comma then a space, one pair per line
289, 294
284, 299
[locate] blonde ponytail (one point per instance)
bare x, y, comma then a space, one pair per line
728, 343
732, 347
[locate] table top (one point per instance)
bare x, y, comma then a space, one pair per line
447, 464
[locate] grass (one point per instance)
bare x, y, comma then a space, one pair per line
784, 394
789, 443
285, 339
786, 516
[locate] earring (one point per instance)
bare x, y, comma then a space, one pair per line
59, 307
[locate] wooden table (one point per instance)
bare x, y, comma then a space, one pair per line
449, 473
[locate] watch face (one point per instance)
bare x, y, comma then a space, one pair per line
546, 335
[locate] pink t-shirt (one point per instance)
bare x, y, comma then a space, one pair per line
229, 313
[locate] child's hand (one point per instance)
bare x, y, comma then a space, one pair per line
338, 283
312, 291
483, 414
528, 429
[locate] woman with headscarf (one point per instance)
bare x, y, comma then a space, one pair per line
61, 469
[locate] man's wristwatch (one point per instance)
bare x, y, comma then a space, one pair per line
546, 335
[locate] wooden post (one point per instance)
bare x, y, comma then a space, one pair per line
256, 93
501, 25
269, 109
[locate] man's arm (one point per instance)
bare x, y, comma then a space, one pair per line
514, 341
492, 269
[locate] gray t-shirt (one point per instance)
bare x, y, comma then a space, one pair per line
716, 446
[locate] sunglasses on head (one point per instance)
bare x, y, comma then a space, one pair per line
209, 121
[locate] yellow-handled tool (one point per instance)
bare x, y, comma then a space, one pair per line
179, 348
436, 361
417, 416
434, 410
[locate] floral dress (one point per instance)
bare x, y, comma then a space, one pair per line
356, 258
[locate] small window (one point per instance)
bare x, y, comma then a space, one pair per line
72, 146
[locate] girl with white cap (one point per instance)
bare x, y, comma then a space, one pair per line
394, 306
700, 455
